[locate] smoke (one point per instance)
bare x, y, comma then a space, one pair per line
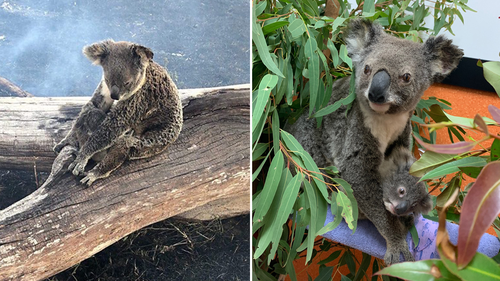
205, 44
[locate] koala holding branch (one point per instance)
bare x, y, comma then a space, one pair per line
147, 114
391, 77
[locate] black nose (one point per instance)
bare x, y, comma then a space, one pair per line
379, 87
115, 92
401, 208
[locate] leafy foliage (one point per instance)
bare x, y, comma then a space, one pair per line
298, 53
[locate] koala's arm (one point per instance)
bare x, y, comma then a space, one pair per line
97, 102
360, 169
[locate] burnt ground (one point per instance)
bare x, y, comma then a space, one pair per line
202, 44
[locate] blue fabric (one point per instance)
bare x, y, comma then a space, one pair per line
368, 239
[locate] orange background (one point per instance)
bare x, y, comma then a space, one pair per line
465, 103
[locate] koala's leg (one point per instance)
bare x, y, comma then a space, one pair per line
115, 156
154, 142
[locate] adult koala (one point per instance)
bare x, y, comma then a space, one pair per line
144, 120
391, 76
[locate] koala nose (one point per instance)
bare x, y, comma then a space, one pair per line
401, 208
115, 92
378, 89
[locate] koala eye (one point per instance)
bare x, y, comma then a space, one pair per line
406, 77
127, 84
401, 191
368, 70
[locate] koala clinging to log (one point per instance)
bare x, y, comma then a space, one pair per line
144, 120
403, 195
391, 76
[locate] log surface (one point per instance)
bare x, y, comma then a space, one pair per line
64, 222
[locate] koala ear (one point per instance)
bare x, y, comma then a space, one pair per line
360, 34
97, 51
143, 52
442, 55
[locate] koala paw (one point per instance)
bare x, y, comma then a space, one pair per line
131, 141
58, 147
89, 179
393, 253
78, 166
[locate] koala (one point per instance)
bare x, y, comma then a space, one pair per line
403, 195
136, 107
89, 119
391, 76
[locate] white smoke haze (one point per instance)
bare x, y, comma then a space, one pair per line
41, 41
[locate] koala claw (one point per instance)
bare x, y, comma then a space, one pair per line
89, 179
393, 253
58, 147
77, 167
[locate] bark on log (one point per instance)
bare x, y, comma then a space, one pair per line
64, 223
9, 89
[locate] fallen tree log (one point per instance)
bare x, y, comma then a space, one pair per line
64, 222
9, 89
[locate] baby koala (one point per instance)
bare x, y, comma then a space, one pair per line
403, 195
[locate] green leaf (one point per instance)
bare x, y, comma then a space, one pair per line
365, 263
472, 172
336, 105
334, 53
418, 271
260, 42
313, 68
369, 6
480, 268
454, 166
266, 85
296, 28
350, 194
272, 179
311, 195
257, 172
260, 7
273, 26
428, 161
256, 133
344, 57
330, 258
276, 131
495, 150
273, 233
337, 22
345, 203
309, 163
414, 235
260, 148
491, 71
325, 273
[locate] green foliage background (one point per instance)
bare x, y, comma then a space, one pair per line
298, 53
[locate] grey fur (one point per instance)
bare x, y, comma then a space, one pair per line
403, 195
146, 118
356, 145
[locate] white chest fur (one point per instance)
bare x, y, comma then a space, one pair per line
385, 127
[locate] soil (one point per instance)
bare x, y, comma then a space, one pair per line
202, 44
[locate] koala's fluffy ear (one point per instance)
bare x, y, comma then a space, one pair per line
360, 34
97, 51
143, 52
442, 55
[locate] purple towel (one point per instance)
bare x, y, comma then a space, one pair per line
368, 240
